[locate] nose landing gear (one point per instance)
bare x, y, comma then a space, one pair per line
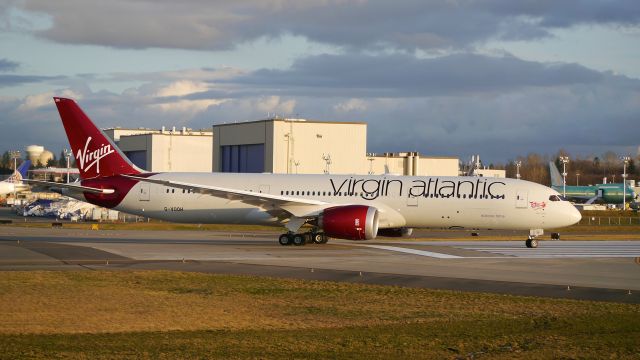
531, 240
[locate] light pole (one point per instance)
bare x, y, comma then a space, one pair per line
577, 179
565, 160
67, 154
626, 160
15, 154
518, 164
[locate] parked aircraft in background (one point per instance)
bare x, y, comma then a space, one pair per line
14, 182
58, 171
355, 207
606, 193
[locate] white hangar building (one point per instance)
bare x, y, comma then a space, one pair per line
275, 145
299, 146
165, 149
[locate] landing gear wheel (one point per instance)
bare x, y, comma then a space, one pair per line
284, 240
325, 239
299, 239
532, 243
555, 236
318, 238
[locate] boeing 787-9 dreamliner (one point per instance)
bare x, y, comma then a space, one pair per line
355, 207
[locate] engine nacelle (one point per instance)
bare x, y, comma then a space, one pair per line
353, 222
395, 232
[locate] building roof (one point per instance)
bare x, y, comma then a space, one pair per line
405, 154
301, 121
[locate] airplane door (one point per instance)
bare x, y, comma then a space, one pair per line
521, 199
412, 201
145, 192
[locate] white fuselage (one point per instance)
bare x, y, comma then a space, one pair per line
417, 202
7, 187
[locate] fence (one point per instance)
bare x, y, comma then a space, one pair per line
609, 220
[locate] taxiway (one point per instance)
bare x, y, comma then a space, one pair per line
596, 270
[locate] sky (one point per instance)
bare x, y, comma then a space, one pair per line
499, 78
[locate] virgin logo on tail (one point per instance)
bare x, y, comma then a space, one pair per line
90, 158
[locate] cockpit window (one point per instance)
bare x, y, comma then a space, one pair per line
557, 198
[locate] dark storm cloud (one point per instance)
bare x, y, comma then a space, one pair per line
408, 76
411, 24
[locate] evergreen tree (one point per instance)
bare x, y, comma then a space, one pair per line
62, 160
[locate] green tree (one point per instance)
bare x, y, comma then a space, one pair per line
631, 168
62, 161
6, 159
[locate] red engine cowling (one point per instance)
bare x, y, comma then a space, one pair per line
353, 222
395, 232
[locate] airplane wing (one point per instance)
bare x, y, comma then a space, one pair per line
296, 206
55, 170
300, 209
592, 200
71, 186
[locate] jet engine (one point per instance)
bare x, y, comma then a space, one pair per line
395, 232
353, 222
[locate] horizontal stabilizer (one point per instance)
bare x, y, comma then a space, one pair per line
74, 186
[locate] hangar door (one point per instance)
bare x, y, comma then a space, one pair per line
248, 158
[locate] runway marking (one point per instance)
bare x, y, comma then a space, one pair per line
413, 251
557, 250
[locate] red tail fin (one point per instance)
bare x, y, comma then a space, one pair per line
96, 155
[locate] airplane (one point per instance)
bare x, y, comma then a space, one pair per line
353, 207
14, 182
607, 193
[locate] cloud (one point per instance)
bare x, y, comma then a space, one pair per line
8, 65
374, 24
454, 105
46, 99
7, 80
351, 105
401, 75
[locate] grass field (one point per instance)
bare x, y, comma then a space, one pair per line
160, 314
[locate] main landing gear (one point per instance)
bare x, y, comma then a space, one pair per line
302, 239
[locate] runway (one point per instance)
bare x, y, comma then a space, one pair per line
594, 270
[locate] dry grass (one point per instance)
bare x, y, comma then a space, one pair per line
154, 225
164, 314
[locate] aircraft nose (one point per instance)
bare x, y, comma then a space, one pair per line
574, 215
